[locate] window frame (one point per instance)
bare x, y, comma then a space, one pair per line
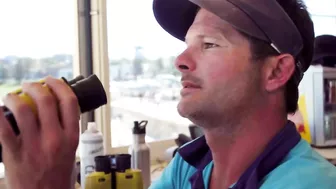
84, 49
101, 69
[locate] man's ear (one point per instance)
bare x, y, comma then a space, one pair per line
278, 70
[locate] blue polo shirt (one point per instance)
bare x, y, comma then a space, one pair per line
288, 162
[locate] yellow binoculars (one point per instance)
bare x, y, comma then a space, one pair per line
114, 172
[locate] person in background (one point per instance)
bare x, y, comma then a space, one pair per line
324, 55
325, 51
241, 68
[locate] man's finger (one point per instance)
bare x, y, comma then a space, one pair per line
7, 135
68, 104
46, 105
8, 139
24, 116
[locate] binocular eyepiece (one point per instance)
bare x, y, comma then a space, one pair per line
89, 91
113, 172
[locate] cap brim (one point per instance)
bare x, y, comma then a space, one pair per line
260, 19
175, 16
234, 16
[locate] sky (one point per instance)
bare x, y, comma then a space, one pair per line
40, 28
35, 28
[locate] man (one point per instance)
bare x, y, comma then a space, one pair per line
240, 74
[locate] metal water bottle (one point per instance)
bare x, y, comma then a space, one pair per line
140, 152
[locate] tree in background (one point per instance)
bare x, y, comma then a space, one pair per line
171, 67
156, 67
2, 71
21, 68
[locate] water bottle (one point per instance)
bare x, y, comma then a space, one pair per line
91, 145
140, 152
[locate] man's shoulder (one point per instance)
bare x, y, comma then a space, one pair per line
303, 168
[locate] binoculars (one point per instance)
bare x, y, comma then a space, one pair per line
89, 92
114, 172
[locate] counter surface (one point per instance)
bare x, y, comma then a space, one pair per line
329, 154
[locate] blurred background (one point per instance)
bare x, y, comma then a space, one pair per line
58, 38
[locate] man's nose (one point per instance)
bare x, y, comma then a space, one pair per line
185, 62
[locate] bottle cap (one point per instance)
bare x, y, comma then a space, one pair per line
92, 126
123, 162
103, 164
139, 128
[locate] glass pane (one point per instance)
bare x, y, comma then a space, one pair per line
144, 83
321, 7
323, 14
324, 25
38, 40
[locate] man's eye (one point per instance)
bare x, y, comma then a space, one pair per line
209, 45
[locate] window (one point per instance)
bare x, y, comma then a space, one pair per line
326, 7
38, 38
36, 41
144, 83
324, 25
323, 13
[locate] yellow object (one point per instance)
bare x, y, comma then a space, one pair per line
130, 179
98, 180
18, 91
27, 99
304, 128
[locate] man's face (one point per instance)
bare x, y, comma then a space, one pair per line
220, 82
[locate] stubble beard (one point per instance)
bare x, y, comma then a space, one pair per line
222, 113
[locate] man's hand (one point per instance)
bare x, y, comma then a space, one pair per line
43, 155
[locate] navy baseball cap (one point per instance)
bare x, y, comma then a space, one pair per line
263, 19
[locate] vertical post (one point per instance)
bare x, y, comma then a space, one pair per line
85, 49
101, 66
